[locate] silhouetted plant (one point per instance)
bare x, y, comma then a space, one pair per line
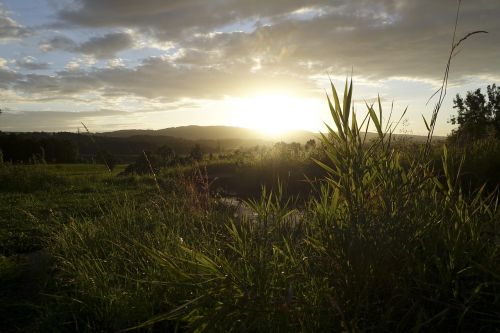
108, 159
196, 153
478, 115
167, 154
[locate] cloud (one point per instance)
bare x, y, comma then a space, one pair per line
3, 63
244, 48
59, 120
107, 46
116, 62
7, 76
10, 29
175, 18
159, 77
58, 43
31, 63
382, 39
392, 39
103, 47
397, 41
63, 85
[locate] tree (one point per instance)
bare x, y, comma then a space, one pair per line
310, 145
166, 154
145, 164
478, 114
196, 153
1, 152
494, 105
108, 159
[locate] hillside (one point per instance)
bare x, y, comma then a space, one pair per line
126, 145
194, 132
237, 134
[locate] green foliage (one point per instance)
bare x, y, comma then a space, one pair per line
405, 234
478, 114
145, 164
149, 162
8, 270
107, 159
18, 148
478, 137
481, 162
196, 153
166, 154
23, 179
36, 197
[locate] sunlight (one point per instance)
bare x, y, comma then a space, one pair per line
275, 114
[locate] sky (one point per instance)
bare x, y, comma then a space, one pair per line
152, 64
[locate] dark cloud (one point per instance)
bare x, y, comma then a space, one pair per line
31, 63
107, 46
179, 19
64, 84
7, 78
401, 39
104, 47
10, 29
58, 43
167, 19
379, 39
159, 78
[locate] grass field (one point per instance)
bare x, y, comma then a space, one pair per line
36, 201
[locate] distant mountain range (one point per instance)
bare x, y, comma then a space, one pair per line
196, 133
126, 145
215, 133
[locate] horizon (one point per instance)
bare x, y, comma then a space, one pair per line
265, 66
261, 134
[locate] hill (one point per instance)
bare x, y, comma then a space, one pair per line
243, 136
194, 132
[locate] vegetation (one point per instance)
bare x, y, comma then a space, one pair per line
18, 149
64, 147
478, 116
478, 137
385, 241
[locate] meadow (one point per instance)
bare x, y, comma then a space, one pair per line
355, 235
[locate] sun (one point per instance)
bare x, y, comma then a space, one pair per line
275, 114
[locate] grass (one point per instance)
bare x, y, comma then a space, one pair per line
387, 242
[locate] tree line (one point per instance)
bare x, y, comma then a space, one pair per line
18, 149
63, 147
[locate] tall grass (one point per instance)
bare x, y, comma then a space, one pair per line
382, 247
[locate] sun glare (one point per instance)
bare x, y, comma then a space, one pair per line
275, 114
